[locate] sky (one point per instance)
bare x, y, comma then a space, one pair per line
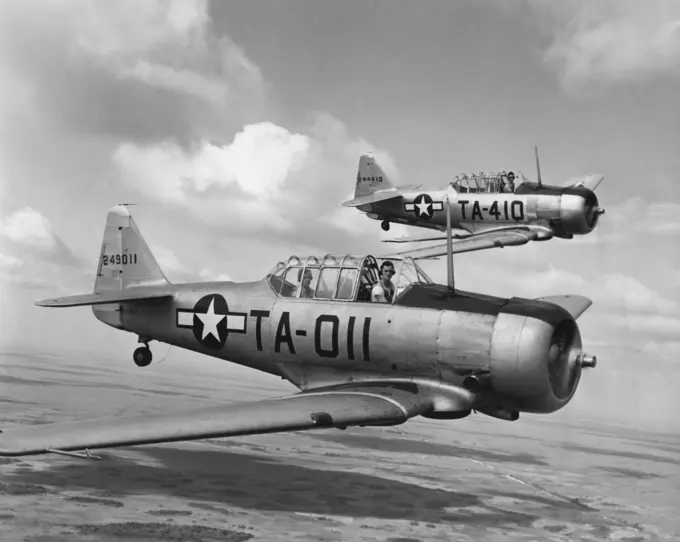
236, 127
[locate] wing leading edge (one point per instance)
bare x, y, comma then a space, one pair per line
481, 241
304, 411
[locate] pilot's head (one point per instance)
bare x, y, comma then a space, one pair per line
511, 177
387, 269
306, 279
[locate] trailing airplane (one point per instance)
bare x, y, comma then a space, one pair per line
487, 210
431, 350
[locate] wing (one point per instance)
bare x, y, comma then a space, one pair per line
590, 181
575, 305
117, 296
308, 410
481, 241
417, 240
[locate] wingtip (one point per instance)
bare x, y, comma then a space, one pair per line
574, 304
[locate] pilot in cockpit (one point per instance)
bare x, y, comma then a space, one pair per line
510, 185
383, 291
305, 289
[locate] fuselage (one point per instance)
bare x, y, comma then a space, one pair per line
428, 334
566, 211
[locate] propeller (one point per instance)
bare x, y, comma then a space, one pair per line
592, 210
564, 358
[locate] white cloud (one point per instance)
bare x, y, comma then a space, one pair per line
9, 262
612, 40
661, 219
103, 57
167, 260
238, 183
182, 80
28, 227
139, 26
259, 160
632, 296
660, 326
208, 275
635, 217
33, 241
167, 45
177, 271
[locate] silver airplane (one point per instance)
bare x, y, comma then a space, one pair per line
433, 351
488, 209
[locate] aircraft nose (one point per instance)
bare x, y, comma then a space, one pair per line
592, 210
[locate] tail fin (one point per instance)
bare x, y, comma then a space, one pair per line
125, 260
373, 184
370, 177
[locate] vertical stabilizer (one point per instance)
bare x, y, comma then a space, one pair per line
125, 260
370, 177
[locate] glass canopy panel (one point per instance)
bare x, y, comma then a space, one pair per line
329, 259
486, 182
342, 278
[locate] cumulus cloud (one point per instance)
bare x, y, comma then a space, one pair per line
268, 178
234, 183
206, 274
176, 269
132, 27
630, 295
612, 40
31, 234
167, 260
623, 307
661, 219
89, 66
34, 256
28, 227
167, 45
663, 327
258, 161
635, 217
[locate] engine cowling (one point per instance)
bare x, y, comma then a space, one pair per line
579, 213
536, 362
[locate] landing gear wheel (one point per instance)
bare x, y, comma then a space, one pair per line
385, 225
142, 356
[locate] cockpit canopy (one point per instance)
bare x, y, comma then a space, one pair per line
340, 278
487, 182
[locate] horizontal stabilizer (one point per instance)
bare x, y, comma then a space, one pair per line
310, 410
575, 305
109, 296
375, 197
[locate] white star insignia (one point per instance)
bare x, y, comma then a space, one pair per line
210, 321
423, 208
